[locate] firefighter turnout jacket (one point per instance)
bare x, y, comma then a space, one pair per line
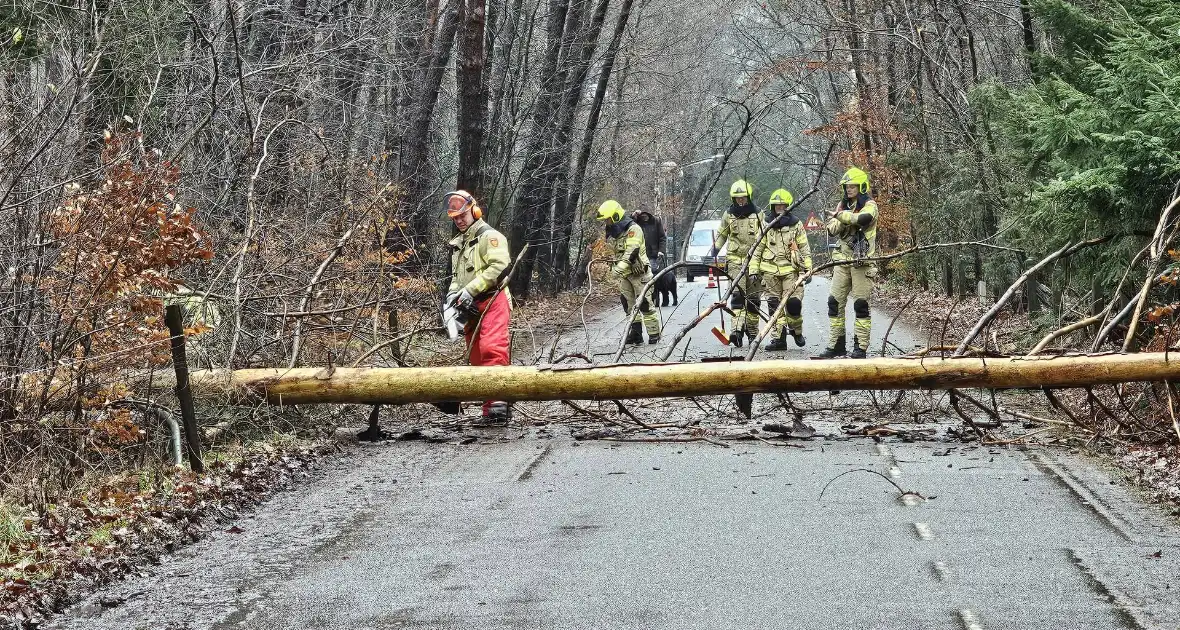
785, 248
479, 257
855, 225
625, 240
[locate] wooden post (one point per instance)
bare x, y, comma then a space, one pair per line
174, 318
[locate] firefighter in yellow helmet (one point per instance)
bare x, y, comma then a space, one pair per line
783, 256
631, 270
740, 228
854, 223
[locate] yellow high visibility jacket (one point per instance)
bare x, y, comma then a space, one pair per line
740, 233
625, 240
855, 225
784, 250
478, 257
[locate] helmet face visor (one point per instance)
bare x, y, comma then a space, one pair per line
457, 203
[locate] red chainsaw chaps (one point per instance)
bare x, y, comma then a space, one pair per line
489, 345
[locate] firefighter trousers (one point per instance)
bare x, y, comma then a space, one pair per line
850, 281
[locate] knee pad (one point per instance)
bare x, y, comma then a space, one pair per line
737, 300
861, 307
645, 306
752, 304
794, 306
833, 306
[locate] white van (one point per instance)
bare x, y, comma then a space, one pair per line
699, 244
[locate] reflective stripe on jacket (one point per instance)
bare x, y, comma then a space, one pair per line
740, 233
630, 252
784, 250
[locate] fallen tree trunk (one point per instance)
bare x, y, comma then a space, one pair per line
609, 382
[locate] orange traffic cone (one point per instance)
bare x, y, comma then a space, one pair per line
712, 280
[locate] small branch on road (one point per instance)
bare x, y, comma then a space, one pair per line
627, 412
1078, 325
1015, 440
954, 395
593, 414
903, 491
1031, 418
990, 412
1058, 405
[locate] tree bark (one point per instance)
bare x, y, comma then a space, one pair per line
416, 141
406, 385
473, 98
531, 214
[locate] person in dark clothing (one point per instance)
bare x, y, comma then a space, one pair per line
653, 235
656, 239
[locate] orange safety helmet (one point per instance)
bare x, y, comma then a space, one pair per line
469, 202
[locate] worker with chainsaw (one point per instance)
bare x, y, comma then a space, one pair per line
740, 228
630, 271
783, 256
480, 260
854, 224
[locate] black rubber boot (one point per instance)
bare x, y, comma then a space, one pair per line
778, 343
735, 338
839, 350
751, 336
797, 335
653, 339
635, 335
857, 351
497, 415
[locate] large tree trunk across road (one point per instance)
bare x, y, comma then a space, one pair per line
440, 384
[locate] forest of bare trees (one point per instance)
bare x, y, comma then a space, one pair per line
278, 168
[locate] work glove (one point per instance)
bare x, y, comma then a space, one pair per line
755, 280
465, 299
451, 298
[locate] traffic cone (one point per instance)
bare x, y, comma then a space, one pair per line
712, 280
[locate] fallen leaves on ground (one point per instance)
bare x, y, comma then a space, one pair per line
114, 529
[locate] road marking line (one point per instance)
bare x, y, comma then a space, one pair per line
923, 530
884, 451
1087, 497
910, 500
970, 619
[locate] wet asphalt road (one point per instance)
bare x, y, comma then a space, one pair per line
557, 534
553, 533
